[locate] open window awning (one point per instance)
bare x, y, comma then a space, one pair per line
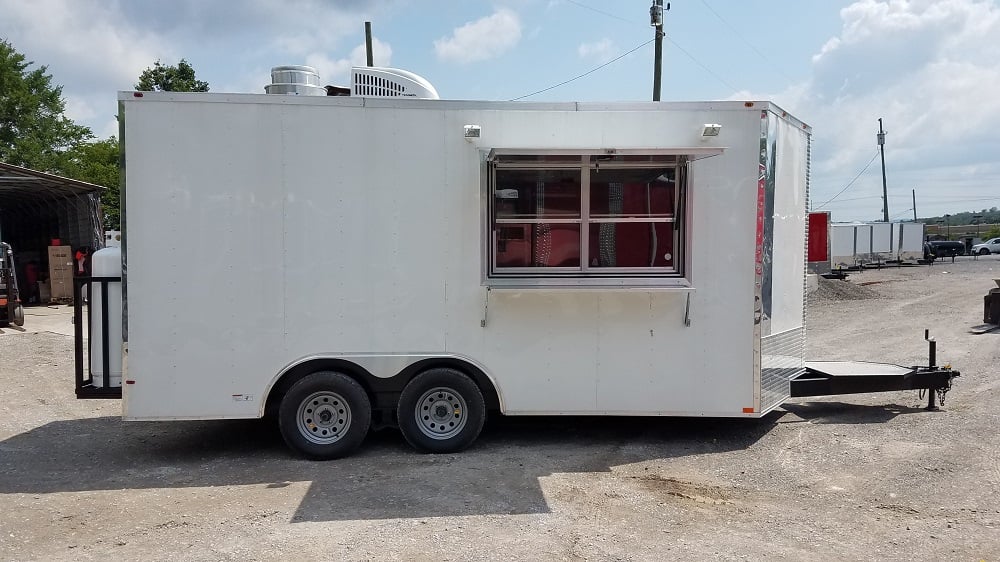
25, 187
688, 152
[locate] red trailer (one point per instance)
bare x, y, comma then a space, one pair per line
818, 243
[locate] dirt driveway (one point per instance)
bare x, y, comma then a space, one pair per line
856, 477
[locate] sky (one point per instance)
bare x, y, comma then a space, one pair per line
929, 68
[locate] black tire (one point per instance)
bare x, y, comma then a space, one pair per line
19, 315
325, 415
441, 411
984, 252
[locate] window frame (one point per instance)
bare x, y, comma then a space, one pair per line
675, 277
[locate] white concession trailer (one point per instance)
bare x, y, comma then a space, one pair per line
352, 261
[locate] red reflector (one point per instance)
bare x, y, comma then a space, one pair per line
129, 382
747, 410
137, 94
3, 302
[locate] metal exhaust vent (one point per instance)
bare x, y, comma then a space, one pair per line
376, 82
295, 80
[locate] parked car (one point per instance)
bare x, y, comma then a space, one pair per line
943, 249
986, 248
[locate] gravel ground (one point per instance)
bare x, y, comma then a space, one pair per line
855, 477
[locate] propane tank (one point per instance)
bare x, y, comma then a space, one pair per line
106, 263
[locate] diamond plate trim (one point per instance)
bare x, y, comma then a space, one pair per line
783, 359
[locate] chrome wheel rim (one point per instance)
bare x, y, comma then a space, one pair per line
324, 417
440, 413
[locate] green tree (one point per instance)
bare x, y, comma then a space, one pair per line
162, 78
97, 163
34, 132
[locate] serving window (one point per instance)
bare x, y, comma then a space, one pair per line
585, 219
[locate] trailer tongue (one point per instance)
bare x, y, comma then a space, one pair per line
827, 378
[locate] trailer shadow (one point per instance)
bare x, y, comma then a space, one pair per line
385, 479
846, 413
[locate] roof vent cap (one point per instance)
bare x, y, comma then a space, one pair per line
295, 80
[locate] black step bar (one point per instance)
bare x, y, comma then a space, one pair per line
84, 376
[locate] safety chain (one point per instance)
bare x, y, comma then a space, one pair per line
941, 393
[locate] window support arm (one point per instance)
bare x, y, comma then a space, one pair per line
687, 311
486, 308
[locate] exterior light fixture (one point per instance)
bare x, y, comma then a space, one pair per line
711, 130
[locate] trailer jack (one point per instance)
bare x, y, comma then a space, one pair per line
933, 393
827, 378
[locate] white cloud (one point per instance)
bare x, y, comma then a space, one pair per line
928, 68
96, 48
337, 71
294, 27
601, 51
95, 45
86, 44
485, 38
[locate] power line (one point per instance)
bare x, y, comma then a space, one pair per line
667, 37
602, 12
748, 43
901, 213
957, 198
696, 61
853, 199
591, 71
850, 183
965, 200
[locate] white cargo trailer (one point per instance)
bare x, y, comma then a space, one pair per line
857, 244
348, 262
909, 238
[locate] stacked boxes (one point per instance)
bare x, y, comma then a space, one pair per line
60, 273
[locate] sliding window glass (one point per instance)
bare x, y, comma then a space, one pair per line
585, 216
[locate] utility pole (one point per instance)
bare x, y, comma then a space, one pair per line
656, 20
368, 43
914, 205
885, 193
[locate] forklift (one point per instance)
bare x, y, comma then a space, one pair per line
11, 311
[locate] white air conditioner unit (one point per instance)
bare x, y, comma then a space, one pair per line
378, 82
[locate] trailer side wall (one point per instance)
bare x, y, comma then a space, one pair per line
266, 230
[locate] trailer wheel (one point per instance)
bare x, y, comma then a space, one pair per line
325, 415
19, 315
441, 411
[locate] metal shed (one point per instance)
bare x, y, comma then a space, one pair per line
36, 207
